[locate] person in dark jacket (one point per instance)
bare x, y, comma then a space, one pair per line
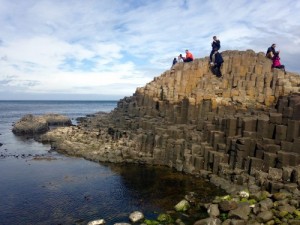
216, 44
174, 62
271, 51
217, 63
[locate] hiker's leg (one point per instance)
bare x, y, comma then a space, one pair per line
210, 56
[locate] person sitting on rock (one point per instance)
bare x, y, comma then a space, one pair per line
216, 44
180, 58
174, 62
217, 63
276, 62
271, 51
188, 57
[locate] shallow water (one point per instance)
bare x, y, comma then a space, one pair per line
39, 186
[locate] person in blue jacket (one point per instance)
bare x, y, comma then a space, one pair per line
216, 44
217, 63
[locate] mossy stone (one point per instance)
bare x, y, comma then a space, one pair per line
283, 213
164, 218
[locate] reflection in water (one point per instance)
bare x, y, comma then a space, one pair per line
162, 186
67, 190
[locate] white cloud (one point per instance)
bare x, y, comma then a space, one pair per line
111, 47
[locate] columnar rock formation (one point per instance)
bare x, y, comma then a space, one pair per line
243, 127
246, 123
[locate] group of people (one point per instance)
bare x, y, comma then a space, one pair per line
274, 56
216, 59
188, 58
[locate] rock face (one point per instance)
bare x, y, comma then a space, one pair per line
30, 125
33, 125
243, 127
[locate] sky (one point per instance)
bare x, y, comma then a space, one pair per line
105, 49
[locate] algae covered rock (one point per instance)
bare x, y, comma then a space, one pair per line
57, 120
166, 218
182, 206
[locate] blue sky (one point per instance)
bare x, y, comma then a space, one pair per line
102, 50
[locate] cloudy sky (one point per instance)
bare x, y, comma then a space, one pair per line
104, 49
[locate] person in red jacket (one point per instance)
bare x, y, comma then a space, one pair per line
188, 57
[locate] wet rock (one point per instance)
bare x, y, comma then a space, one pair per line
35, 125
213, 210
287, 208
182, 206
281, 195
226, 206
260, 195
266, 204
136, 216
97, 222
265, 216
191, 198
165, 218
208, 221
241, 212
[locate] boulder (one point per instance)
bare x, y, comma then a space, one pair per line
226, 206
30, 125
136, 216
241, 212
97, 222
266, 204
35, 125
213, 210
264, 217
281, 196
182, 206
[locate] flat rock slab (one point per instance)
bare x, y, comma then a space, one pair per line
33, 125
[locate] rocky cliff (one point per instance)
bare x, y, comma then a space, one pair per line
243, 127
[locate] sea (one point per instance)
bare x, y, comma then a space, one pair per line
41, 186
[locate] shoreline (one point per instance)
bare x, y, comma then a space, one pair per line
115, 149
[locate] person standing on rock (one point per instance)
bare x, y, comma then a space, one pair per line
216, 44
188, 57
217, 63
271, 51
